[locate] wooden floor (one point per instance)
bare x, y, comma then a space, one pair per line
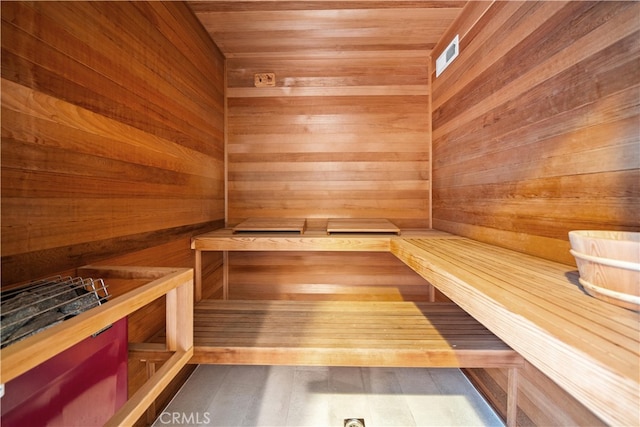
344, 333
222, 395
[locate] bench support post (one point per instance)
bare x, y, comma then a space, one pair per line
198, 276
225, 275
512, 397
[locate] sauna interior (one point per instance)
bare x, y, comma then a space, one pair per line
129, 128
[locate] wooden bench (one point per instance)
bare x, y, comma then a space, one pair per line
313, 239
588, 347
536, 306
349, 333
345, 333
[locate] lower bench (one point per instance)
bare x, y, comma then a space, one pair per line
344, 333
348, 333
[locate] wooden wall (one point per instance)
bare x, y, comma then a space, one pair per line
535, 133
337, 137
535, 124
112, 132
342, 136
112, 141
335, 276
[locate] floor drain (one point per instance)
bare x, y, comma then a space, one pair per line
354, 422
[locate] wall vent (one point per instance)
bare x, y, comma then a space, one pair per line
447, 57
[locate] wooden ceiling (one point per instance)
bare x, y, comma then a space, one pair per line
302, 29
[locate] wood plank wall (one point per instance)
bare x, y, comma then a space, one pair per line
343, 136
327, 276
112, 132
337, 137
112, 143
535, 133
535, 124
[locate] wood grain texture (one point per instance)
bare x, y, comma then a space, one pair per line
535, 133
112, 143
112, 132
333, 276
537, 307
303, 29
344, 334
535, 124
317, 150
351, 225
340, 136
272, 224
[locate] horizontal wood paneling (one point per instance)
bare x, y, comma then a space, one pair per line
346, 137
305, 29
334, 276
112, 132
536, 133
539, 134
112, 143
331, 154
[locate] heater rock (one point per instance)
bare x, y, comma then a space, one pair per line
16, 312
39, 323
80, 304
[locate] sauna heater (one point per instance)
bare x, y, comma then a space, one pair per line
82, 386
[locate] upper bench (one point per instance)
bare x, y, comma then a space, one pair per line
588, 347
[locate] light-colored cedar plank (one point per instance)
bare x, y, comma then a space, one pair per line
540, 246
415, 334
305, 33
407, 90
599, 38
361, 225
353, 357
324, 281
124, 216
74, 39
516, 298
492, 19
225, 240
550, 307
62, 130
136, 406
271, 224
333, 293
523, 275
231, 6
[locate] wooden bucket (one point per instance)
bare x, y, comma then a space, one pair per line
609, 265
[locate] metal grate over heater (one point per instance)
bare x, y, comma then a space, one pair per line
38, 305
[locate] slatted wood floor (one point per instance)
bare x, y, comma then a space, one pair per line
344, 333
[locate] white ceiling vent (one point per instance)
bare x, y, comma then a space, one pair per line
447, 57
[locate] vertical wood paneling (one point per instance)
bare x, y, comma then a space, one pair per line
112, 131
536, 133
